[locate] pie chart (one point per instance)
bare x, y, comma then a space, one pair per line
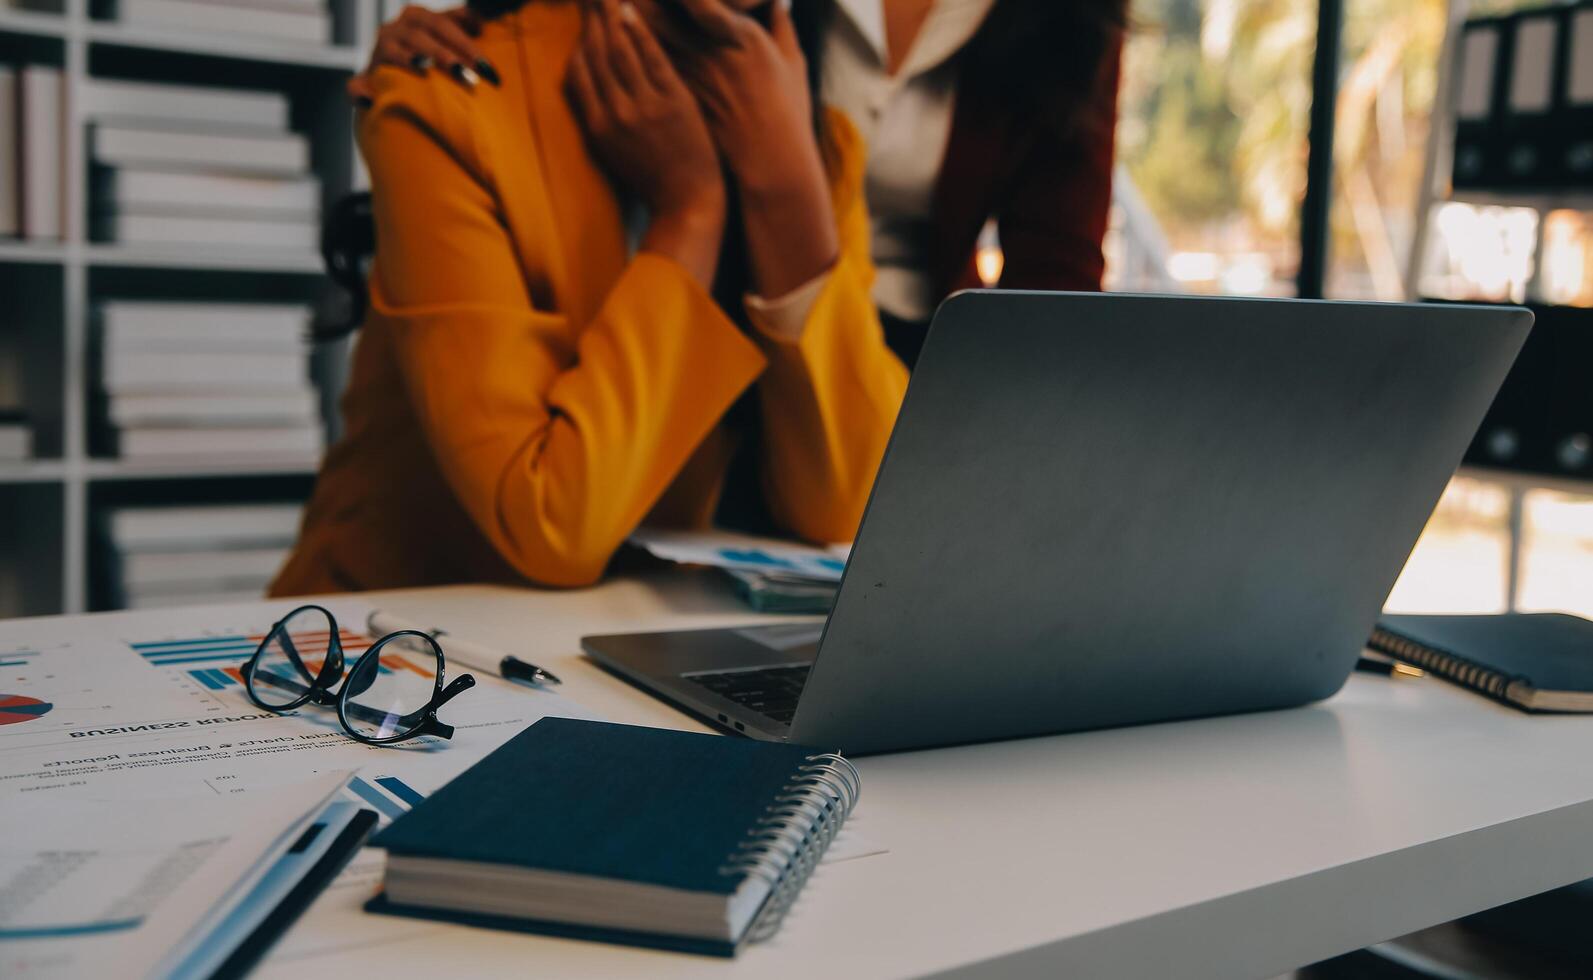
16, 709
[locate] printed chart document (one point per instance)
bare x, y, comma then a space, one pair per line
92, 888
237, 928
150, 706
744, 553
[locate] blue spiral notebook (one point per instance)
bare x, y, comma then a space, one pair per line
1531, 661
671, 840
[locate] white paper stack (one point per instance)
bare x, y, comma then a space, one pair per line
136, 886
192, 555
300, 21
194, 380
190, 165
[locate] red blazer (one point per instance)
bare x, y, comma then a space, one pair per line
1047, 185
1048, 190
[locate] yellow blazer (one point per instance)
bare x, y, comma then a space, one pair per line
525, 393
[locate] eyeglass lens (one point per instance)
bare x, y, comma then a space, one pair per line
390, 687
291, 658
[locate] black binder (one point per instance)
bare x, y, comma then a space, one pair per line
1524, 101
1575, 163
1480, 84
1532, 75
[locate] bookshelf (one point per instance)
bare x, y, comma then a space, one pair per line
48, 504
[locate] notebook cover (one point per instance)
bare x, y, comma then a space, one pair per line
562, 930
1550, 651
610, 801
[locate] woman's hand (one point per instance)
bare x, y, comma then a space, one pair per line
419, 39
645, 127
752, 82
753, 86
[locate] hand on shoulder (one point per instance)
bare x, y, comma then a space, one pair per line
420, 39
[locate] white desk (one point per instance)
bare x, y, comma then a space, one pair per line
1231, 847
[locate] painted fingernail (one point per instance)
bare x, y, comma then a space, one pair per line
465, 75
421, 62
485, 70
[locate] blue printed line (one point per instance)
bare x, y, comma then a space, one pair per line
86, 929
196, 650
201, 659
201, 641
370, 794
401, 789
185, 651
13, 663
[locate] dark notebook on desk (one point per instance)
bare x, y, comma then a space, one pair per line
1533, 661
635, 835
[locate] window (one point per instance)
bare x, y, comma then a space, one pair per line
1388, 83
1212, 146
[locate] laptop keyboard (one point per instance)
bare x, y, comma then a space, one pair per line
770, 691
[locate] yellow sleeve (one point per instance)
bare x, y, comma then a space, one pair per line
829, 399
556, 438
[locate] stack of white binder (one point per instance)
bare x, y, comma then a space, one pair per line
190, 165
194, 380
301, 21
196, 555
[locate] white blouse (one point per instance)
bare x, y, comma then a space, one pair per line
905, 121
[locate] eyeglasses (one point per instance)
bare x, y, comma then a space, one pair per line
383, 700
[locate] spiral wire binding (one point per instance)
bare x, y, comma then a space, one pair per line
1466, 672
790, 839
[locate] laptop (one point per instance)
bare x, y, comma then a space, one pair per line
1100, 510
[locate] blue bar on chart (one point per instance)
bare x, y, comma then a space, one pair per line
165, 653
17, 658
399, 789
213, 679
387, 806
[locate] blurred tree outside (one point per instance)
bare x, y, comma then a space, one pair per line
1215, 102
1386, 96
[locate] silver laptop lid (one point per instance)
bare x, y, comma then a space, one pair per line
1102, 510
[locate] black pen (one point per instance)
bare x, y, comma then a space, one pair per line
463, 652
1387, 668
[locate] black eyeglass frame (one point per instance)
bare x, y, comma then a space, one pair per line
319, 691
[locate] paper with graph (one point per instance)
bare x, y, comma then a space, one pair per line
745, 553
150, 706
86, 891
